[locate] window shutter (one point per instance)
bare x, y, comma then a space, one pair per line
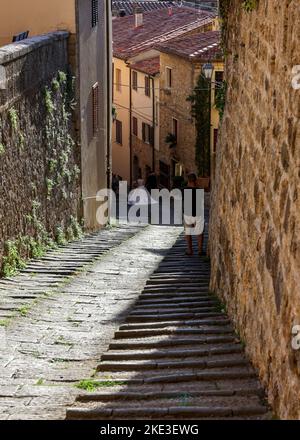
152, 136
95, 104
144, 132
95, 12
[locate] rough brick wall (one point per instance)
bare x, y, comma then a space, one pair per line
27, 150
255, 229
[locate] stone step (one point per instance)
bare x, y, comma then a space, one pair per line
170, 306
173, 316
172, 412
191, 301
152, 344
175, 353
195, 322
105, 396
123, 365
125, 334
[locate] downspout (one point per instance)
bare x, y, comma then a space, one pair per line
130, 126
153, 122
109, 92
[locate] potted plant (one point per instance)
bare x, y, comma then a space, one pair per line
171, 140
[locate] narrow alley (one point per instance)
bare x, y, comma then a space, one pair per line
128, 296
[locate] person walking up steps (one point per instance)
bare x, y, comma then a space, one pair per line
192, 217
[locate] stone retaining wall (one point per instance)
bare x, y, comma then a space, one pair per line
39, 161
255, 228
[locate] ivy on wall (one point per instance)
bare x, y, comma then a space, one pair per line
224, 8
60, 173
200, 111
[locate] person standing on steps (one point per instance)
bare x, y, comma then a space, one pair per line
192, 218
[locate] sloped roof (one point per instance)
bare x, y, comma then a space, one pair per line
150, 66
146, 5
157, 27
201, 46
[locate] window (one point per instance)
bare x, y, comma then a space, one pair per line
169, 77
119, 132
118, 80
219, 77
175, 128
95, 98
216, 131
134, 80
147, 133
134, 126
147, 85
95, 13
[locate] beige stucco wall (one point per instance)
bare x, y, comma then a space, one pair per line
94, 66
255, 232
37, 16
121, 153
142, 108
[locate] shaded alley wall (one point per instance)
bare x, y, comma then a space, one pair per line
39, 160
255, 228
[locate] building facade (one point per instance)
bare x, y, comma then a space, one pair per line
181, 63
88, 23
143, 116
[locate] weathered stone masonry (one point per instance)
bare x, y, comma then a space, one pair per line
39, 161
255, 223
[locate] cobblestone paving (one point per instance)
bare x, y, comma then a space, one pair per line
58, 315
177, 355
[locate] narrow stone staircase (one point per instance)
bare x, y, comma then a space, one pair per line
176, 357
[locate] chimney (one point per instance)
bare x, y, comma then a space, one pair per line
114, 13
138, 17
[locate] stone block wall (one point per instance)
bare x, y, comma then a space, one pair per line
255, 217
39, 160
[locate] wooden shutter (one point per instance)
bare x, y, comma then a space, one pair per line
147, 86
119, 132
95, 104
144, 132
95, 12
134, 80
152, 136
134, 126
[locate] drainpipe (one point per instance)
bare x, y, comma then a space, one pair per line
153, 123
109, 92
130, 126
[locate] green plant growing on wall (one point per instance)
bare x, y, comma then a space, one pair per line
50, 186
21, 141
55, 85
249, 5
12, 260
77, 229
50, 107
62, 77
220, 99
171, 140
2, 149
200, 111
60, 236
13, 118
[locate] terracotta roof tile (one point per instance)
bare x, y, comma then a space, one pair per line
150, 66
157, 27
202, 46
128, 6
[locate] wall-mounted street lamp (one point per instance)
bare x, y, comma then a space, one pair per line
207, 70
